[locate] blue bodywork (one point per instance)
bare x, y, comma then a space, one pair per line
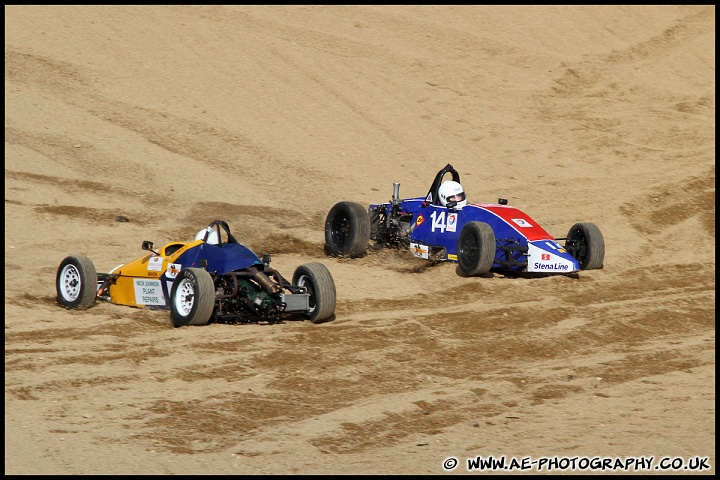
221, 259
521, 244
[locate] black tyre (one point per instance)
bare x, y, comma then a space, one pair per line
476, 248
192, 298
585, 242
321, 287
76, 282
347, 230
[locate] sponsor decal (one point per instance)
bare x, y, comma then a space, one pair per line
429, 197
452, 257
442, 222
419, 220
551, 266
155, 264
522, 222
148, 292
540, 260
419, 250
452, 222
172, 270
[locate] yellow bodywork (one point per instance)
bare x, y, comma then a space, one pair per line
138, 283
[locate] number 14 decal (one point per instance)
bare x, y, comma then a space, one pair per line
438, 221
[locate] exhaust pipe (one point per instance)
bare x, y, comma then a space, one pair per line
264, 281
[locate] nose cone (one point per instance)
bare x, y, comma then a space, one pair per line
548, 256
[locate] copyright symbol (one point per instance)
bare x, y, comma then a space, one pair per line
450, 463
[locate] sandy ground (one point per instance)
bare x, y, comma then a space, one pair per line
266, 116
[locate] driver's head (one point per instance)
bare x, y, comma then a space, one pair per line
452, 191
211, 233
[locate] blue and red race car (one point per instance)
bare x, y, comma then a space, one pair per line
442, 226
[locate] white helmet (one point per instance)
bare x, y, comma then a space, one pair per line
452, 191
212, 236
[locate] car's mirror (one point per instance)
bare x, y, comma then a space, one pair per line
502, 201
147, 245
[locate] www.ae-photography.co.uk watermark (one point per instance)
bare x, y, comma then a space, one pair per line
593, 464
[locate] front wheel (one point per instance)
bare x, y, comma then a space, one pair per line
76, 282
585, 242
321, 287
192, 298
476, 248
347, 230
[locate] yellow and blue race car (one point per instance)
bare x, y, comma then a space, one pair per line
214, 278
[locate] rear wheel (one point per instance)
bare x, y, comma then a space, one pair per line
476, 248
585, 242
347, 230
192, 298
76, 282
321, 287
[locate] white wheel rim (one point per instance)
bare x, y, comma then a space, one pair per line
70, 283
184, 297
